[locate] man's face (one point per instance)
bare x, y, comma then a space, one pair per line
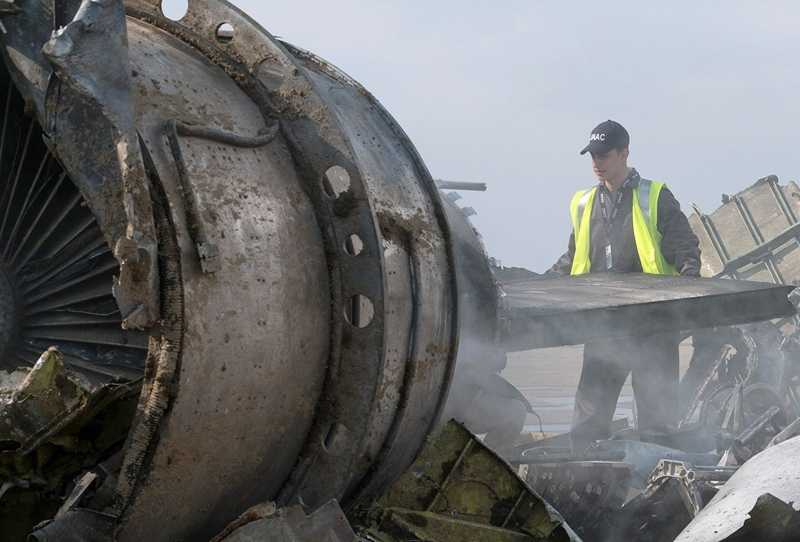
611, 166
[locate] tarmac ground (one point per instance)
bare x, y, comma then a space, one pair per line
549, 377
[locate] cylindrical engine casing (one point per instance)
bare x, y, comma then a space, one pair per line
300, 261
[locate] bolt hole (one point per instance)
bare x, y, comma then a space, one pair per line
225, 33
359, 311
174, 10
354, 245
336, 181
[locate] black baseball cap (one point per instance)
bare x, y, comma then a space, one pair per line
606, 136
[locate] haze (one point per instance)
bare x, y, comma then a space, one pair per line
506, 93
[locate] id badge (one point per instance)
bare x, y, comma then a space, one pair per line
609, 258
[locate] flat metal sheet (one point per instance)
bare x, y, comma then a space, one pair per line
572, 310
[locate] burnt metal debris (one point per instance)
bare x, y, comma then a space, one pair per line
267, 240
459, 489
753, 235
739, 400
266, 522
545, 312
206, 229
54, 425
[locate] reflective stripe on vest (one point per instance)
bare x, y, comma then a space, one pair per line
645, 229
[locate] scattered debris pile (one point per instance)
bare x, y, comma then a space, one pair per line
325, 287
457, 489
291, 524
636, 486
732, 456
54, 426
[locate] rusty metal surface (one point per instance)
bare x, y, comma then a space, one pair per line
571, 310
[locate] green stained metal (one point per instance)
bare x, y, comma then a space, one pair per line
429, 526
458, 489
41, 404
51, 426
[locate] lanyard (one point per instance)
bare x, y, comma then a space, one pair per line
616, 200
609, 217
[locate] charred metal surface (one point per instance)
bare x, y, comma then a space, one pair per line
770, 519
224, 170
222, 136
774, 471
26, 32
232, 361
291, 524
90, 127
694, 484
332, 228
587, 493
56, 269
458, 489
369, 417
8, 7
417, 277
52, 425
207, 252
76, 102
478, 390
77, 526
573, 310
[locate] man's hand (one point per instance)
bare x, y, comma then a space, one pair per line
689, 269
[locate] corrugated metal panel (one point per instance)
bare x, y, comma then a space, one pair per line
754, 235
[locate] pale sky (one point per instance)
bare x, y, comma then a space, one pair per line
507, 92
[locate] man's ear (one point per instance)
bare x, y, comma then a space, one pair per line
625, 152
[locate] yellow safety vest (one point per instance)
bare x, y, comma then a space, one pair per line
645, 229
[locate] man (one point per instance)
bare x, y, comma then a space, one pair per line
626, 224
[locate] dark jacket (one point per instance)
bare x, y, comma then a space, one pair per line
679, 244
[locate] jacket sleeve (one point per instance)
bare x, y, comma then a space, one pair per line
564, 264
679, 244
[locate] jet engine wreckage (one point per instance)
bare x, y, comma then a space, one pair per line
234, 299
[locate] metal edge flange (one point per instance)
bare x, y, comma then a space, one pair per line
333, 182
394, 456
